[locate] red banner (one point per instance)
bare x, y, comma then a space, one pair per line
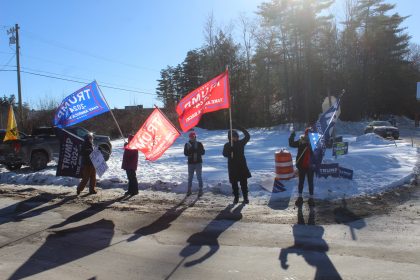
212, 96
155, 136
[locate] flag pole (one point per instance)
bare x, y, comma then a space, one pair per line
168, 119
230, 118
112, 114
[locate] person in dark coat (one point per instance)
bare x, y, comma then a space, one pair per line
129, 164
88, 170
303, 164
237, 166
194, 150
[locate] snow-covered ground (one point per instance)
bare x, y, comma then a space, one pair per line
378, 165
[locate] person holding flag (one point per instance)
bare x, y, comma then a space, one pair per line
303, 163
194, 150
88, 170
234, 150
129, 164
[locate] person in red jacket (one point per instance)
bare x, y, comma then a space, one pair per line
129, 164
303, 164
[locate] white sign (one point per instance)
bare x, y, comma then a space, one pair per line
418, 91
99, 162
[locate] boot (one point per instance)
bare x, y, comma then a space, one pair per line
236, 199
246, 201
299, 201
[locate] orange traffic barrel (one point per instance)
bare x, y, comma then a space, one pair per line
284, 165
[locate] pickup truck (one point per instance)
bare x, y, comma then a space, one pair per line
39, 148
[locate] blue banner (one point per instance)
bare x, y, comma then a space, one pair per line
330, 169
346, 173
81, 105
321, 134
418, 91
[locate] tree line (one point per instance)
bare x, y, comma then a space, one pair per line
295, 54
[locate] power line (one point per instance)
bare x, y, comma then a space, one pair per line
81, 82
62, 46
8, 62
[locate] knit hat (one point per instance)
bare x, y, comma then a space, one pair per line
234, 134
192, 135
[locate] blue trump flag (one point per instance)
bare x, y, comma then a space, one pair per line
81, 105
322, 133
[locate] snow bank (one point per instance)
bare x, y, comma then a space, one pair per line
378, 165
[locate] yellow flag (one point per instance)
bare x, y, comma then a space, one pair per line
11, 131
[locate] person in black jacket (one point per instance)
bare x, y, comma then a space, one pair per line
303, 164
194, 150
237, 166
88, 170
129, 164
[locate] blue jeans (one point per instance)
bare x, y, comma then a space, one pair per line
197, 167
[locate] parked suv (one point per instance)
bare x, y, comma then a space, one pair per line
38, 149
383, 129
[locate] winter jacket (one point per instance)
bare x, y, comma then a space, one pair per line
194, 150
130, 159
87, 149
237, 166
303, 146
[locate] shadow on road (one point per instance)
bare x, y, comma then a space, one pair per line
88, 212
163, 222
25, 207
310, 245
64, 246
210, 234
343, 215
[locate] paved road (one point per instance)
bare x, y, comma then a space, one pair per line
51, 237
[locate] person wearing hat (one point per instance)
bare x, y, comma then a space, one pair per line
303, 164
194, 150
88, 170
129, 164
237, 166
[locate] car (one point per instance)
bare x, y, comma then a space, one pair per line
383, 128
101, 141
39, 148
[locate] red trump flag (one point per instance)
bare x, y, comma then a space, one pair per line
212, 96
155, 136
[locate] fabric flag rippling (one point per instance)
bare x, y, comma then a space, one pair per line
155, 136
209, 97
81, 105
321, 133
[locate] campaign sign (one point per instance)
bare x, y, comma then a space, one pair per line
346, 173
99, 162
81, 105
340, 148
69, 159
330, 169
418, 91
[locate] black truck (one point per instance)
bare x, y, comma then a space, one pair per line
39, 148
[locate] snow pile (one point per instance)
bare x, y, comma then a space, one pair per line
378, 165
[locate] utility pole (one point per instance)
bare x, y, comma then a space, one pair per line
14, 39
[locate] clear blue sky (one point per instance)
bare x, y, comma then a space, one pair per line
121, 43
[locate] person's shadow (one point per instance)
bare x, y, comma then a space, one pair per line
310, 245
163, 222
343, 215
64, 246
26, 208
210, 234
88, 212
